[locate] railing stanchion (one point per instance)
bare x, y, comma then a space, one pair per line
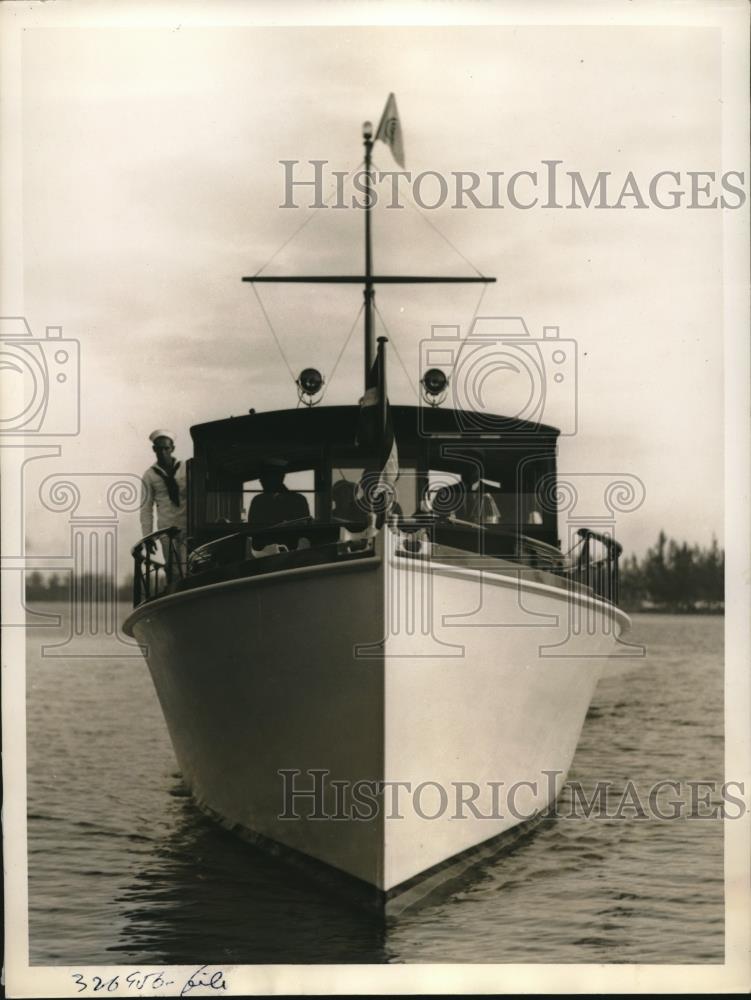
146, 583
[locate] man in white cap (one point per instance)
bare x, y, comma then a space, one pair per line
164, 488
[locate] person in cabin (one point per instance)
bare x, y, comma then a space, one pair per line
277, 504
345, 507
164, 488
468, 501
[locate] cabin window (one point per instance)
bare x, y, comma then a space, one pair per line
224, 506
300, 481
491, 493
344, 505
441, 491
228, 502
505, 500
406, 487
536, 499
445, 495
406, 491
349, 475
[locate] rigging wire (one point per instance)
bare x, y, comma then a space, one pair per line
276, 253
444, 237
412, 204
392, 341
300, 228
273, 333
469, 325
477, 307
344, 348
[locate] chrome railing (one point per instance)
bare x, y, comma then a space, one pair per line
152, 576
597, 571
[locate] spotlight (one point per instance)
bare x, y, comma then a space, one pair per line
434, 386
309, 384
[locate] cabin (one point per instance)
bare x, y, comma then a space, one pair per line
511, 464
319, 447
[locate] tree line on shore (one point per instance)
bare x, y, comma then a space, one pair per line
674, 576
57, 587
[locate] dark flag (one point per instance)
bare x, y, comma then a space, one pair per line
375, 436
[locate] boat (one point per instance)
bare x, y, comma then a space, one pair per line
386, 689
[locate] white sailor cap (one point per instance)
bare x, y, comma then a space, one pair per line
161, 434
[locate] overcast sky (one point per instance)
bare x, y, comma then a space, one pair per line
152, 183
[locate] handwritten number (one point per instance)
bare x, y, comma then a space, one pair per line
138, 980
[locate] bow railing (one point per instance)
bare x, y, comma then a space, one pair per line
152, 576
596, 570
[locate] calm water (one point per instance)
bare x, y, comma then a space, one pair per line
123, 868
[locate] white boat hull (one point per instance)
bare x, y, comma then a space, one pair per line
432, 674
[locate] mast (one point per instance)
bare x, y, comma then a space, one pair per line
368, 292
369, 279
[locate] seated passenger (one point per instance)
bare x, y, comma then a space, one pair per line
276, 505
468, 501
345, 507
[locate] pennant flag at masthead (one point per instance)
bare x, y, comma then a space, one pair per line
390, 130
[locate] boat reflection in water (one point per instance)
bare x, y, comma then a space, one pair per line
431, 633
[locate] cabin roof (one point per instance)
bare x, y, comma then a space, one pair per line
338, 424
